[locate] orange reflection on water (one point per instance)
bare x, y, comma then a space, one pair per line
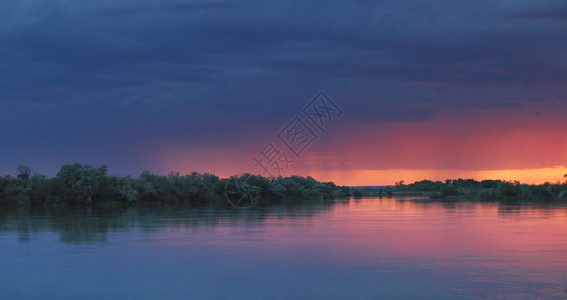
466, 247
399, 228
445, 229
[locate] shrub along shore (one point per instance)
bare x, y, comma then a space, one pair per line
84, 185
486, 190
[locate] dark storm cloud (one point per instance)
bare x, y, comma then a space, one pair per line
550, 9
108, 45
162, 69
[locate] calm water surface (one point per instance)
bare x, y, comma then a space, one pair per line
361, 249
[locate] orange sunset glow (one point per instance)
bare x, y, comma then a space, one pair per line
384, 177
511, 145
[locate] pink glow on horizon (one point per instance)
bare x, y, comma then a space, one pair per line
494, 144
389, 177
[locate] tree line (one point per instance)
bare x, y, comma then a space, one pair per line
488, 190
84, 185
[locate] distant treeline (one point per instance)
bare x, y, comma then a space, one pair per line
84, 185
486, 190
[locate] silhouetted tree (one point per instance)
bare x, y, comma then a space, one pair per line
23, 172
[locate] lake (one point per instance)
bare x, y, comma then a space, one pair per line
357, 249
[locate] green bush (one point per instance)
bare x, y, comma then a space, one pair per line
78, 184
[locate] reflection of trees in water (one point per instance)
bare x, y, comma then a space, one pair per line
504, 208
539, 209
93, 224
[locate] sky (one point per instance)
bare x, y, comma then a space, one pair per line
425, 89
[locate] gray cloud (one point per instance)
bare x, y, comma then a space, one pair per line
182, 64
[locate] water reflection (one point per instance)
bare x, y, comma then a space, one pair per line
93, 224
357, 248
